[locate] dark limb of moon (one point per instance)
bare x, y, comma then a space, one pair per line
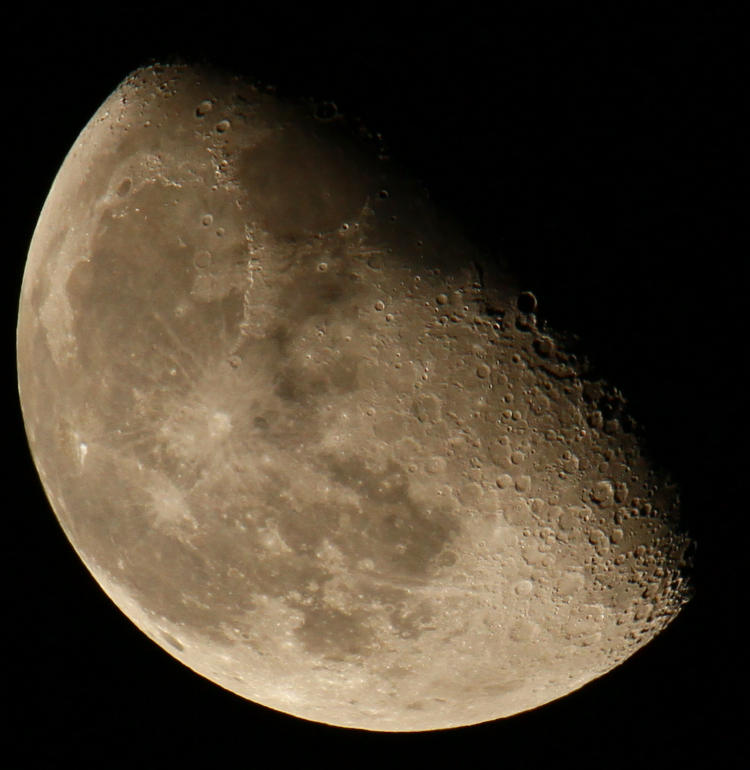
308, 440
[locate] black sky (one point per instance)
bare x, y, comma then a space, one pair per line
602, 161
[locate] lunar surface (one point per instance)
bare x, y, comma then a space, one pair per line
308, 439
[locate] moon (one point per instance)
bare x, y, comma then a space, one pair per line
313, 442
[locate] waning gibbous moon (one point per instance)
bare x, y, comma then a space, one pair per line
308, 440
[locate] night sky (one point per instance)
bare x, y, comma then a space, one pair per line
601, 161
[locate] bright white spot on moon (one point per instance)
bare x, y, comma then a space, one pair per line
220, 425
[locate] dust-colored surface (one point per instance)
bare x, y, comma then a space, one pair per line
307, 442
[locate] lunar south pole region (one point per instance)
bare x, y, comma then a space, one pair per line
313, 442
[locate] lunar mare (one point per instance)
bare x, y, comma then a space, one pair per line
308, 440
